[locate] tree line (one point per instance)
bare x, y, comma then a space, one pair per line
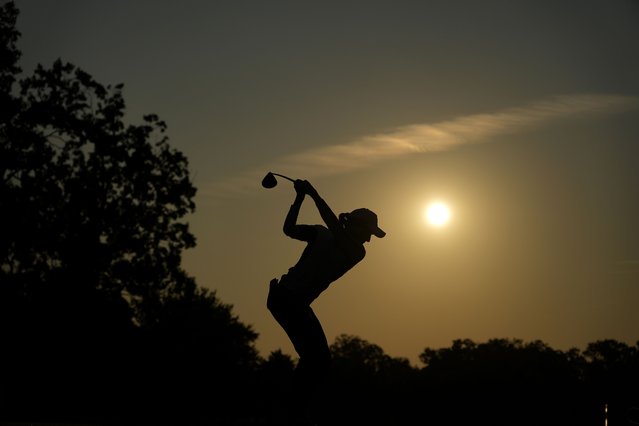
100, 324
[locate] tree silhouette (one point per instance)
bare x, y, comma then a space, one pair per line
90, 201
9, 56
612, 374
367, 386
199, 361
274, 384
98, 320
506, 381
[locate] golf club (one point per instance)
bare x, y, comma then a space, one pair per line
269, 180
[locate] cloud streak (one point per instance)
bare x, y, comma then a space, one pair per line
414, 139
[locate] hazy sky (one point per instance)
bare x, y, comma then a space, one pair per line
523, 116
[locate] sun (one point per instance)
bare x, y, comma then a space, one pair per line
437, 214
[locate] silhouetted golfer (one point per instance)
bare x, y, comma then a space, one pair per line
331, 251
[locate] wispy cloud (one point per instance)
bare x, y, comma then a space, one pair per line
413, 139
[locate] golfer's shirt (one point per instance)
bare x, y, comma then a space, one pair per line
321, 263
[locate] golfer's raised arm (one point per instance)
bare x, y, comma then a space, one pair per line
327, 215
291, 228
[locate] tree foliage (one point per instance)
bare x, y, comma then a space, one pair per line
364, 382
91, 201
9, 53
102, 321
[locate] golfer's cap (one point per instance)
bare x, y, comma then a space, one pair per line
368, 219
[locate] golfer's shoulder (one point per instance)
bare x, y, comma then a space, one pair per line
356, 253
354, 249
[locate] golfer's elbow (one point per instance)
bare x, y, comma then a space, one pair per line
292, 234
290, 230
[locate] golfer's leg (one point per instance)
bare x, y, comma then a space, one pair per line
314, 361
312, 346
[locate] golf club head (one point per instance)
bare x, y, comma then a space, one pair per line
269, 181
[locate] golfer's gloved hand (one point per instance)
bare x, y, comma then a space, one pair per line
299, 187
309, 190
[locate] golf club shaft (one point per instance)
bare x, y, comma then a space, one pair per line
285, 177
